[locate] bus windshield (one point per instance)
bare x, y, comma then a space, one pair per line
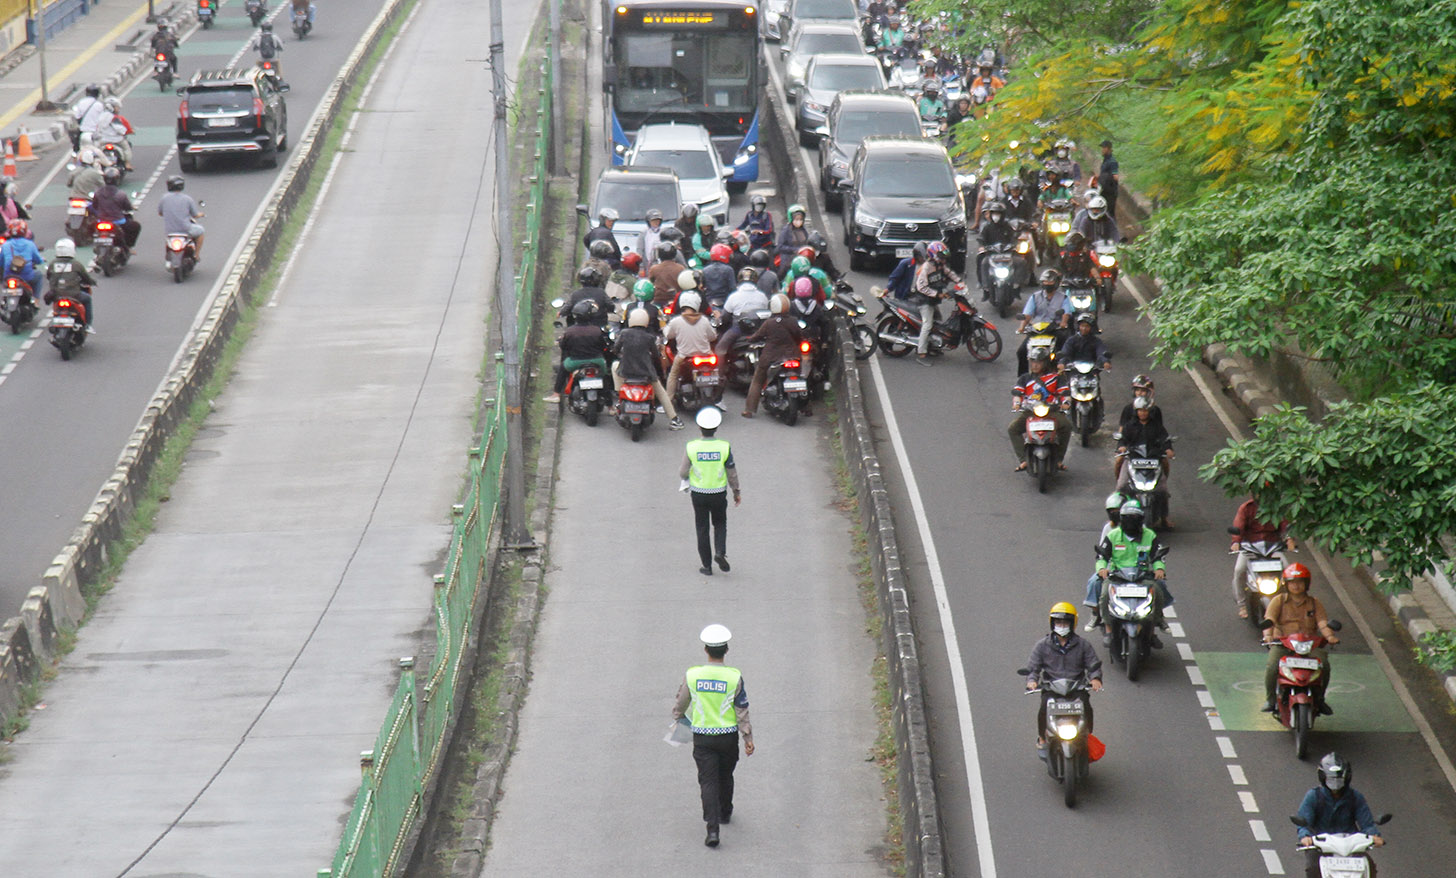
676, 71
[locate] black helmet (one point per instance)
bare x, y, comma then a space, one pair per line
760, 259
1087, 318
93, 91
748, 275
817, 241
111, 175
1050, 278
1075, 240
671, 235
666, 251
589, 276
723, 236
1130, 518
1335, 772
1014, 184
585, 310
920, 252
996, 207
266, 27
176, 183
689, 211
602, 249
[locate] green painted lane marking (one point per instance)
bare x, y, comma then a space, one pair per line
1359, 692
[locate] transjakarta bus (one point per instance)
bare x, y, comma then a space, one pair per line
688, 61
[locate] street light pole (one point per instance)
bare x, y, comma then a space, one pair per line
558, 129
45, 105
151, 13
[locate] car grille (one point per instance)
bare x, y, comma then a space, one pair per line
900, 230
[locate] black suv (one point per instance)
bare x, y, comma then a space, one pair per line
232, 112
853, 116
903, 190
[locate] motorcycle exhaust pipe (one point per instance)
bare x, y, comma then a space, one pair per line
897, 338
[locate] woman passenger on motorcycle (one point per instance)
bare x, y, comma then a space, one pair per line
1296, 611
10, 208
1142, 387
818, 328
1063, 655
793, 236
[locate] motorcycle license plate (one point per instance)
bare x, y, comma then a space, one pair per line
219, 123
636, 408
1265, 566
76, 210
1040, 426
63, 321
1145, 463
706, 379
1131, 591
590, 384
1066, 706
903, 252
796, 385
1304, 664
103, 241
1355, 865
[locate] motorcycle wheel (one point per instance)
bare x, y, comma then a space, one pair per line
1300, 722
894, 326
864, 341
64, 347
791, 412
1003, 302
1134, 659
1043, 475
1107, 297
1069, 783
637, 431
177, 274
593, 412
984, 343
1087, 431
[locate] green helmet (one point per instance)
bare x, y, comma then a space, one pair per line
706, 222
800, 265
797, 208
643, 290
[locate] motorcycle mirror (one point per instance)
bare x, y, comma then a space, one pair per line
283, 86
1382, 819
70, 166
1335, 625
1298, 821
583, 210
202, 204
1234, 531
1024, 672
557, 303
1265, 624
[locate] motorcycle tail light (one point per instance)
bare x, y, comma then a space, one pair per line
65, 303
803, 347
10, 282
637, 392
668, 309
79, 202
709, 360
791, 364
104, 227
176, 244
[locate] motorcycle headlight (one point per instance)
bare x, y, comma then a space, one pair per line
1040, 409
1060, 228
1023, 246
1001, 272
1106, 260
1303, 647
1267, 585
1084, 394
1067, 731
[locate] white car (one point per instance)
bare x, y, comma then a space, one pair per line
773, 12
689, 151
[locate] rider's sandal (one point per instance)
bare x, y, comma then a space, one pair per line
1243, 612
1021, 467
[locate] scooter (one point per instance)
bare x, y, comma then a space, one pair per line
1343, 854
1106, 253
1300, 679
302, 21
785, 393
270, 67
852, 308
110, 254
206, 11
257, 11
1148, 481
899, 326
80, 223
701, 385
1082, 297
181, 256
118, 161
162, 71
743, 358
635, 404
1085, 384
1001, 270
585, 394
1041, 341
67, 326
17, 308
1132, 605
1039, 434
1066, 732
1265, 576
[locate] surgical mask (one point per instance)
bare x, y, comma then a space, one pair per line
1061, 630
1335, 784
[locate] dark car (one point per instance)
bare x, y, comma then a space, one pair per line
232, 112
903, 191
853, 116
825, 77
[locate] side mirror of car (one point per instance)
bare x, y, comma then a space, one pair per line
728, 173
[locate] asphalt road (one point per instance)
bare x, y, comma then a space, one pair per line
1193, 774
76, 416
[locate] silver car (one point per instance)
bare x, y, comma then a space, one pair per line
810, 38
827, 76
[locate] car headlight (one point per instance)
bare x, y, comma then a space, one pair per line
1106, 260
864, 218
954, 220
1067, 731
813, 107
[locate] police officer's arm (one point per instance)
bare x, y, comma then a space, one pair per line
684, 697
731, 470
688, 466
740, 714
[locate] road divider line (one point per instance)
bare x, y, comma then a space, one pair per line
1260, 831
1236, 774
1271, 862
975, 784
1226, 747
1246, 799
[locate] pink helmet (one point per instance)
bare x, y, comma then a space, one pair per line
803, 288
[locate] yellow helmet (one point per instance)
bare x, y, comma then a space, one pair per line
1063, 610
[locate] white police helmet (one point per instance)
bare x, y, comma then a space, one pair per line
715, 635
709, 417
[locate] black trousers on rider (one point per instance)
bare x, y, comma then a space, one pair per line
711, 509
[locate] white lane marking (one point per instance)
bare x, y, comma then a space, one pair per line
1205, 698
1194, 674
1176, 629
8, 368
1271, 861
1246, 799
1261, 832
28, 343
1170, 612
970, 753
1215, 723
1236, 774
1226, 747
1185, 652
152, 180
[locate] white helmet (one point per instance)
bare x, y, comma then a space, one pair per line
709, 418
608, 213
779, 304
113, 104
686, 281
715, 635
689, 300
1097, 207
65, 248
1090, 194
637, 317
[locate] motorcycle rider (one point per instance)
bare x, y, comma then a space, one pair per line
82, 113
115, 129
69, 278
687, 219
180, 214
818, 328
111, 204
1097, 224
636, 359
892, 36
746, 300
1130, 544
704, 239
164, 42
268, 44
651, 236
583, 343
1060, 166
823, 261
21, 258
781, 336
642, 294
1039, 383
901, 282
1296, 611
995, 230
1077, 261
803, 266
1142, 387
933, 281
691, 335
665, 271
10, 206
1047, 305
1085, 346
1019, 205
1093, 599
1249, 527
619, 283
986, 78
603, 232
1334, 806
591, 290
758, 222
304, 6
768, 279
931, 105
794, 235
1063, 654
718, 276
1143, 430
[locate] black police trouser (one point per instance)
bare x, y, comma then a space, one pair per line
711, 508
716, 757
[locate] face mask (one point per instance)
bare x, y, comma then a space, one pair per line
1062, 630
1335, 784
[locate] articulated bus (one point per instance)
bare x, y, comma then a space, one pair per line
687, 61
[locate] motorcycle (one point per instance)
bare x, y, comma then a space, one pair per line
1039, 435
1082, 297
17, 307
1343, 854
1057, 221
1066, 732
1132, 604
1106, 253
1086, 412
302, 21
1148, 481
205, 13
635, 405
181, 256
743, 358
851, 308
110, 254
80, 222
585, 395
784, 391
1297, 686
270, 67
112, 151
1265, 574
701, 385
899, 325
68, 326
162, 70
1002, 270
257, 11
1041, 341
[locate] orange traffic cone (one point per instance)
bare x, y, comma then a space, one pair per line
23, 152
9, 173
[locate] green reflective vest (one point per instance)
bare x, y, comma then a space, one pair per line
713, 689
707, 472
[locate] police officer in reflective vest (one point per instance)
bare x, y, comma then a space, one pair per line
708, 472
715, 704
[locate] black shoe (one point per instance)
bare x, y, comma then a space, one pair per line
1325, 709
722, 562
706, 571
725, 818
1268, 706
712, 839
1157, 643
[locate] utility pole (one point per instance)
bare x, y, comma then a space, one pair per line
558, 130
517, 532
151, 13
45, 105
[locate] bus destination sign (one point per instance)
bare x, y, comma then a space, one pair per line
684, 18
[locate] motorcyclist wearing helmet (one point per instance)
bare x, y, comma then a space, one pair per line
583, 343
901, 282
794, 235
1334, 806
590, 289
21, 258
665, 271
746, 300
931, 105
781, 336
803, 266
690, 334
704, 239
89, 174
824, 261
268, 45
111, 204
818, 329
1143, 430
10, 206
934, 280
164, 42
1062, 654
1085, 346
302, 6
69, 278
1019, 203
995, 230
687, 219
1296, 611
719, 278
642, 300
1047, 305
1077, 261
607, 218
1133, 544
1058, 167
1142, 387
986, 78
1113, 505
758, 222
1039, 384
1097, 224
892, 35
637, 362
86, 113
768, 279
651, 237
620, 280
180, 214
113, 128
1248, 526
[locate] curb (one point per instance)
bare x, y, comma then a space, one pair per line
58, 601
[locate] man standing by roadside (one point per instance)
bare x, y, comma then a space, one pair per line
714, 703
708, 471
1107, 178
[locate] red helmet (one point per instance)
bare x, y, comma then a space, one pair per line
631, 260
721, 253
808, 253
1296, 571
740, 239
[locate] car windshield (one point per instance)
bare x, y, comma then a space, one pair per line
689, 164
214, 100
632, 199
806, 9
908, 177
855, 125
811, 44
832, 77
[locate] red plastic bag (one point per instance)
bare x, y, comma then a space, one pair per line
1095, 748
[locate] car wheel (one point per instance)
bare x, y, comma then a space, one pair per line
268, 158
187, 162
283, 142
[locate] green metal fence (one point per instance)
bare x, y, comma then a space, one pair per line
411, 743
